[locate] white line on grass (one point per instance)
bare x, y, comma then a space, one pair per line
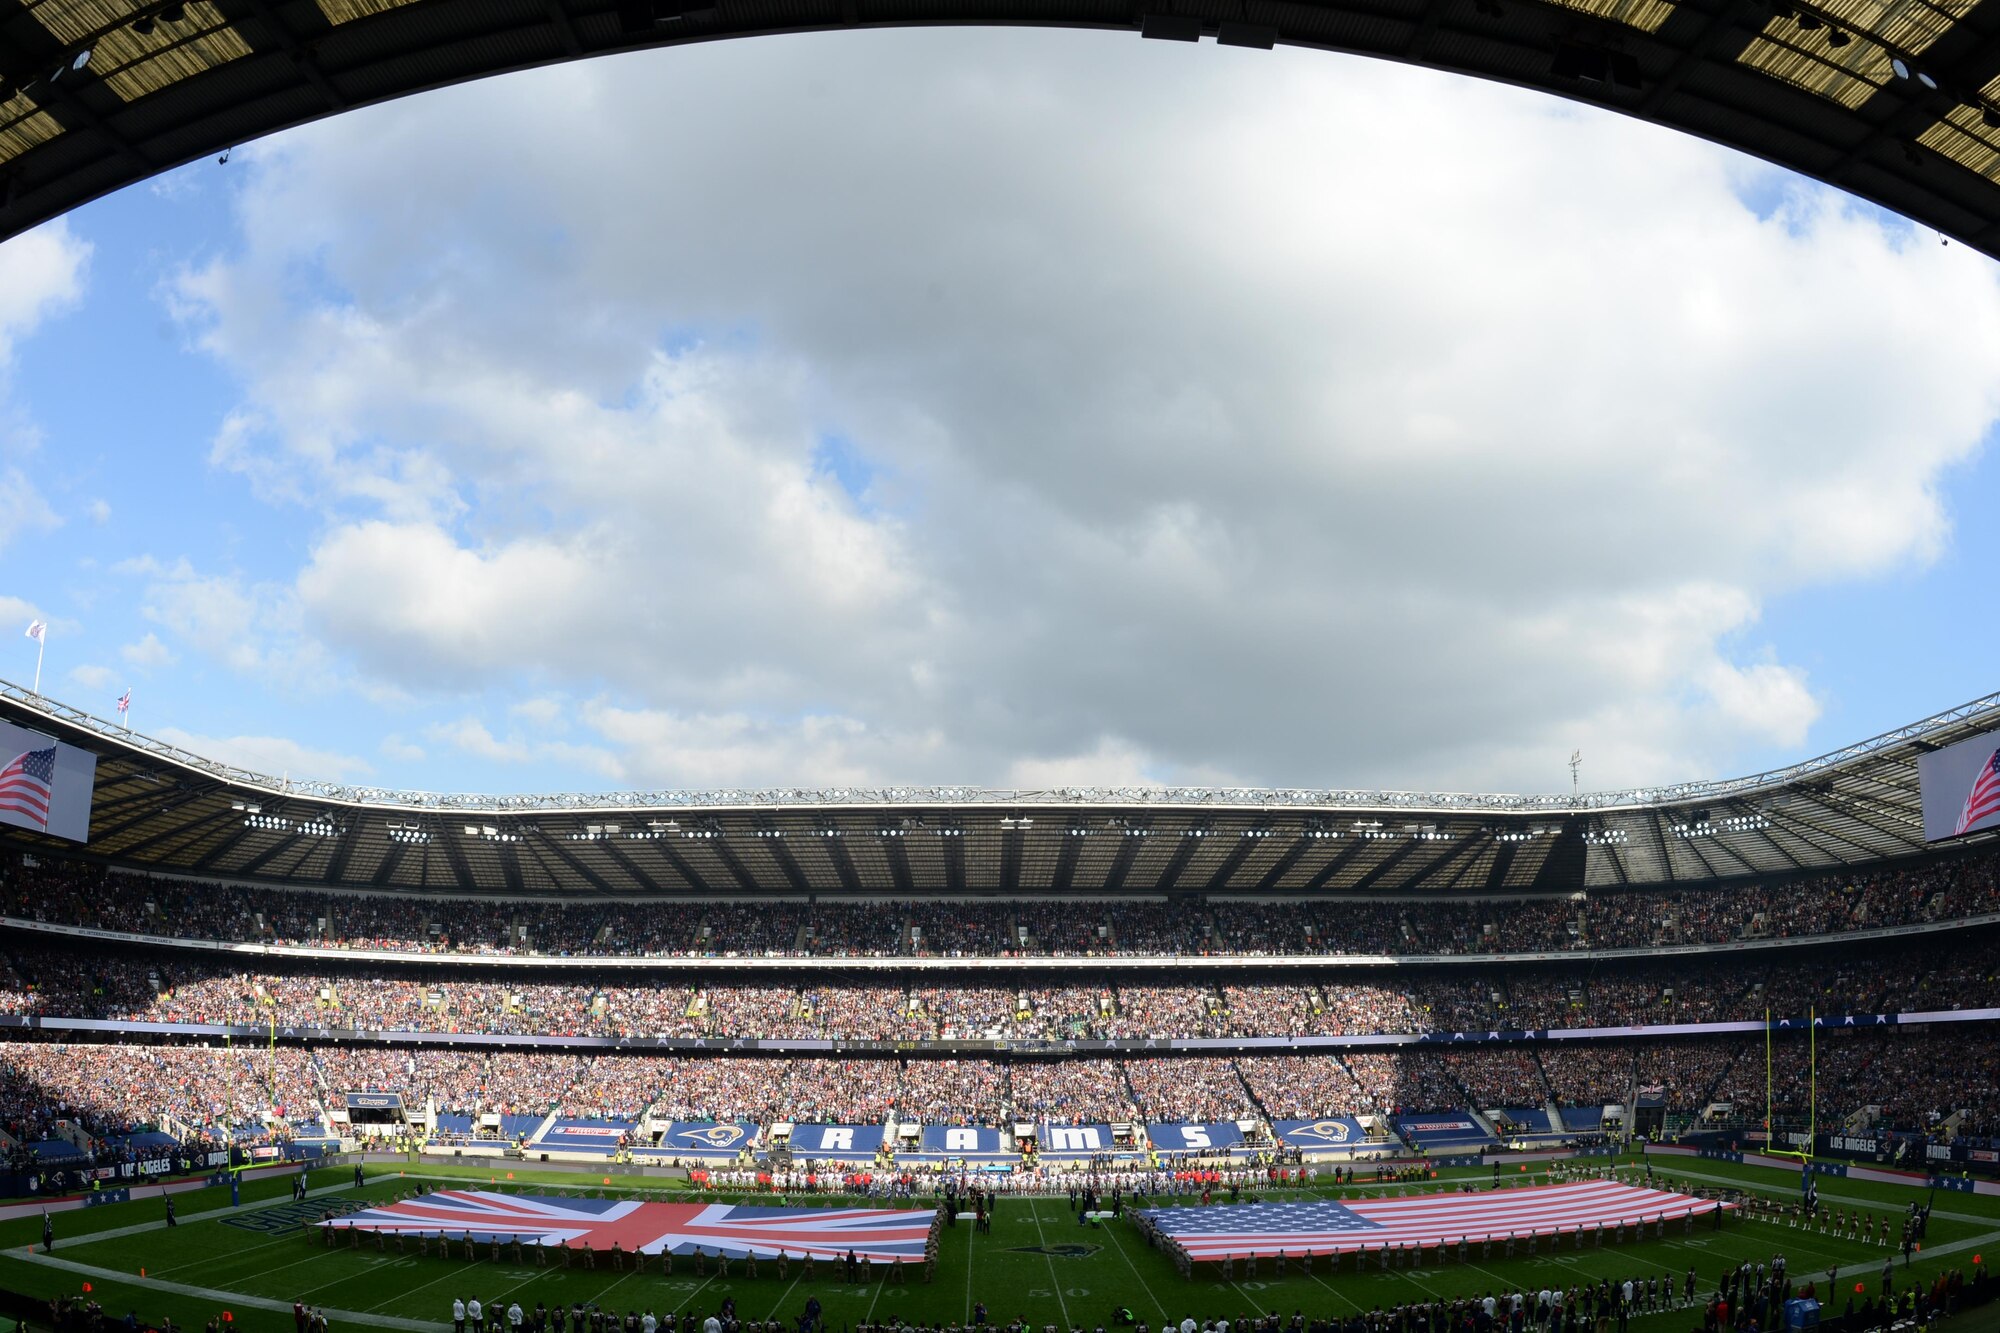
229, 1297
1335, 1290
782, 1298
869, 1317
691, 1295
597, 1300
448, 1275
1055, 1283
311, 1258
971, 1241
208, 1261
1144, 1285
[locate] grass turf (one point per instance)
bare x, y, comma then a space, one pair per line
1037, 1263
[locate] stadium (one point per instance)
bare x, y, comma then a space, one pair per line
278, 1051
1052, 1040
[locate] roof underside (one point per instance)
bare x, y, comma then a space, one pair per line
1814, 86
153, 811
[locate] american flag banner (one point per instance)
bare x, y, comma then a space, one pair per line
1234, 1231
1983, 801
885, 1235
24, 785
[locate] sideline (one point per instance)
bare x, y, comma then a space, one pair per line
225, 1297
1879, 1205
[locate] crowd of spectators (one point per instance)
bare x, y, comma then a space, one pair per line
165, 986
1909, 1081
1302, 1087
75, 893
1188, 1089
1072, 1092
953, 1092
1595, 1075
207, 1094
1502, 1075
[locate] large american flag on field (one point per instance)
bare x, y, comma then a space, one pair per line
893, 1235
24, 785
1983, 801
1322, 1227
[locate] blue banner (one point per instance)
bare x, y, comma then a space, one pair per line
1218, 1135
960, 1140
1073, 1140
374, 1101
593, 1136
846, 1142
1335, 1131
700, 1138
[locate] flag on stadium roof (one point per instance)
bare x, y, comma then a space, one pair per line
1320, 1227
892, 1235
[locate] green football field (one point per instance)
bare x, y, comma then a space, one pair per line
1037, 1263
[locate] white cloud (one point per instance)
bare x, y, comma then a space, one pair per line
402, 751
99, 511
470, 736
252, 628
42, 272
1108, 419
94, 679
273, 756
147, 653
22, 508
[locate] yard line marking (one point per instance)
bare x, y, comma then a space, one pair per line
1144, 1285
691, 1295
971, 1244
781, 1299
870, 1316
447, 1276
1055, 1283
1335, 1290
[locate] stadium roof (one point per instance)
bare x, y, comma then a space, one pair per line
160, 808
1894, 100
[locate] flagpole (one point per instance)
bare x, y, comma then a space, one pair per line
41, 646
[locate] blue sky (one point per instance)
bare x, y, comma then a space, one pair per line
440, 446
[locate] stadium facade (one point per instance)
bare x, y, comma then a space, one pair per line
938, 976
161, 809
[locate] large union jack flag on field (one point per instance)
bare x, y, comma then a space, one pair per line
1322, 1227
893, 1235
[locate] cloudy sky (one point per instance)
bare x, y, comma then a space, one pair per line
1008, 408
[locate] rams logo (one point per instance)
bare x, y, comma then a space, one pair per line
1058, 1251
1332, 1131
716, 1136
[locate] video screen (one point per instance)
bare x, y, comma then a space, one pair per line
1961, 787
